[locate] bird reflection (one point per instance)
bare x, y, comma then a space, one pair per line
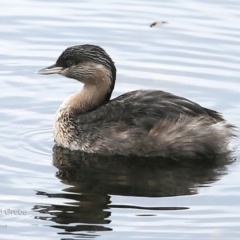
91, 179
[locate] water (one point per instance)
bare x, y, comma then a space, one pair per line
46, 192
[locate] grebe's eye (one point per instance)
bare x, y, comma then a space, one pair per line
70, 63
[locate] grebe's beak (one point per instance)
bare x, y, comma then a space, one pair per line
50, 70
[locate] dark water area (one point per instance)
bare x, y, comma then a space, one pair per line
47, 192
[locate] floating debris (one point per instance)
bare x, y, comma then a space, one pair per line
155, 23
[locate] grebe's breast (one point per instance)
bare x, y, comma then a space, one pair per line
61, 123
63, 130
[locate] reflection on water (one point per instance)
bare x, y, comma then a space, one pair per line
93, 179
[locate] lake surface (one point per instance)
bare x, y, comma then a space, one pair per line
49, 193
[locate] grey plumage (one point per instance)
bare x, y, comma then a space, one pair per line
142, 123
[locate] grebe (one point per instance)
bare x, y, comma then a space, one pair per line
140, 123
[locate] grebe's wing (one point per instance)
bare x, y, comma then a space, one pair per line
145, 108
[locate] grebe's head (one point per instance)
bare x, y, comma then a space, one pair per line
86, 63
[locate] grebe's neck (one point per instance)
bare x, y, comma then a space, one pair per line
96, 91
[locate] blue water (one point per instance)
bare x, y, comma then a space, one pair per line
46, 192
